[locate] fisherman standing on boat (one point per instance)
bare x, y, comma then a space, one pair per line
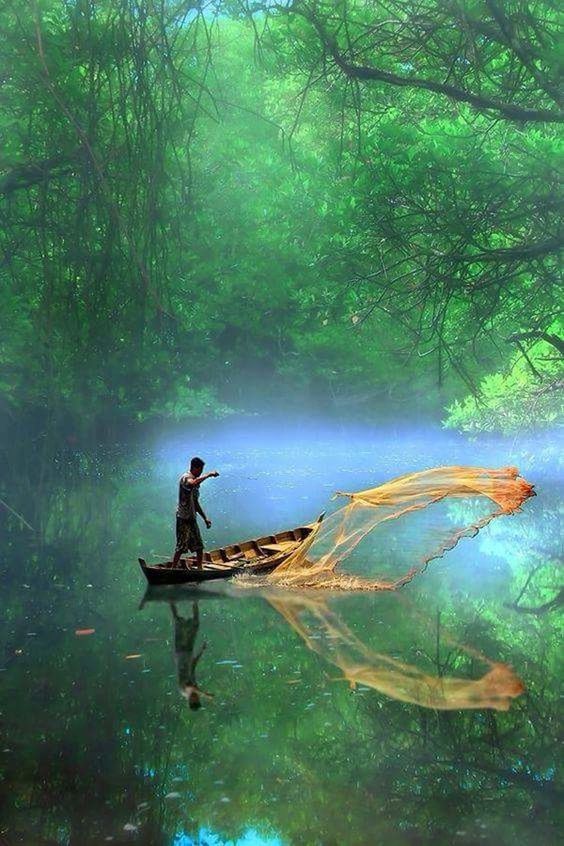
188, 537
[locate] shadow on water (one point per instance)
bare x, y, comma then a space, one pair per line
97, 740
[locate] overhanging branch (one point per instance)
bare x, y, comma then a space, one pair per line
508, 111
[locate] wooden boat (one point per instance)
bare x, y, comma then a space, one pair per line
260, 555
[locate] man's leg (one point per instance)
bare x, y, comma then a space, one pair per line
181, 530
195, 543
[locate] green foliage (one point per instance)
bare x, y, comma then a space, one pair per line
530, 395
214, 198
186, 403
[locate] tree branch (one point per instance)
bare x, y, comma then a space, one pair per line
538, 335
509, 111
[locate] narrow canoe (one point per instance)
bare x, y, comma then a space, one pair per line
259, 555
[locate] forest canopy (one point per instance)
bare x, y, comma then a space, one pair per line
356, 205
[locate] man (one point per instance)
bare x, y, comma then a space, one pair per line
185, 634
188, 537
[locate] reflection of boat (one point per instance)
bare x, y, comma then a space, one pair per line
178, 593
260, 555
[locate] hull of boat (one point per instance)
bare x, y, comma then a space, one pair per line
181, 576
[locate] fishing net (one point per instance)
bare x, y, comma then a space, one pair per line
324, 632
415, 518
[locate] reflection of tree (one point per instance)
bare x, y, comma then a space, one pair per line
550, 605
325, 632
533, 551
485, 767
71, 765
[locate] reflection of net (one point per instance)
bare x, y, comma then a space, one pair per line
327, 635
425, 494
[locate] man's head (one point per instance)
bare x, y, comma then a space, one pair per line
192, 695
196, 466
194, 700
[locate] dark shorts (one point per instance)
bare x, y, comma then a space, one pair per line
188, 537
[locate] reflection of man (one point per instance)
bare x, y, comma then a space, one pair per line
188, 537
185, 634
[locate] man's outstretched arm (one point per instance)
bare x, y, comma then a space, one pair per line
199, 654
198, 481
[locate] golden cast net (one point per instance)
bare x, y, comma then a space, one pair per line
415, 518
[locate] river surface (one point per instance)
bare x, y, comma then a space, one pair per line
100, 742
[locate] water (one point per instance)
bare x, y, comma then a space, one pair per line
99, 744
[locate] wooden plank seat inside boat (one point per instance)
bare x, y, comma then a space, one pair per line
283, 546
232, 554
